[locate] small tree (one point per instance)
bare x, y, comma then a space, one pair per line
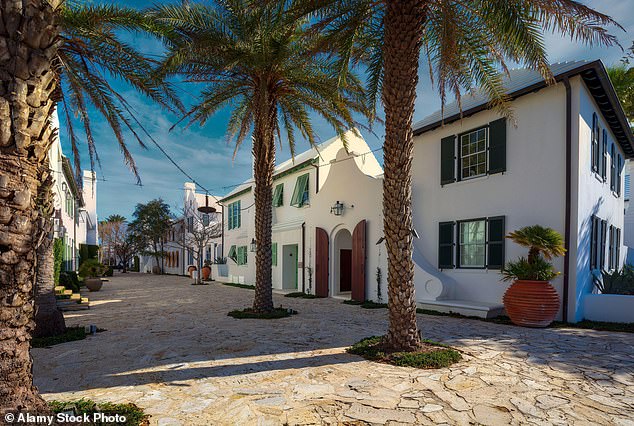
111, 231
151, 223
199, 232
127, 246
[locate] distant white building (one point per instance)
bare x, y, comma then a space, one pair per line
75, 215
179, 256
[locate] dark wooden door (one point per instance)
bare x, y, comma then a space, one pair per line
321, 263
345, 270
358, 262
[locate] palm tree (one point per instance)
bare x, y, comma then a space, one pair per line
465, 43
622, 77
51, 52
272, 73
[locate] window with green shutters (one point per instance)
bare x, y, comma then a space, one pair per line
242, 255
475, 153
278, 195
476, 243
233, 254
604, 156
274, 254
301, 192
595, 143
234, 215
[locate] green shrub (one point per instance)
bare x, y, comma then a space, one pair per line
58, 259
301, 295
522, 269
251, 314
69, 280
92, 268
109, 271
133, 414
71, 334
543, 245
617, 281
372, 348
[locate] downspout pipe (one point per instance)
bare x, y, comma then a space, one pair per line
304, 256
568, 212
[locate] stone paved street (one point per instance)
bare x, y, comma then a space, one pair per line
171, 348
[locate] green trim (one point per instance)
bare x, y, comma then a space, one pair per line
301, 193
278, 195
274, 254
296, 168
237, 194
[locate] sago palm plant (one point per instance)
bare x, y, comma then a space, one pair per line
271, 72
51, 53
464, 43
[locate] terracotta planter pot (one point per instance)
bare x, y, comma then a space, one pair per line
206, 272
531, 303
93, 284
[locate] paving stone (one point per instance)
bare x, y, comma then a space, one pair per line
171, 349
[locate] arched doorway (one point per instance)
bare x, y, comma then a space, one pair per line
342, 267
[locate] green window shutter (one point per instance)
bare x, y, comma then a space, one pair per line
603, 237
274, 254
593, 242
232, 253
594, 142
299, 193
619, 172
612, 169
278, 195
445, 245
238, 212
448, 160
497, 146
495, 243
603, 155
617, 261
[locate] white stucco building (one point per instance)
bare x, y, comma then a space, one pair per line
75, 214
179, 255
560, 164
313, 248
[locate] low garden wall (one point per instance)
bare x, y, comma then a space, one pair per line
609, 307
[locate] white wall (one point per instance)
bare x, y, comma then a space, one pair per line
593, 197
530, 192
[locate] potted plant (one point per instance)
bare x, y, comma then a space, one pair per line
92, 271
206, 270
531, 301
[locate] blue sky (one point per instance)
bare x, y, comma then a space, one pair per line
205, 154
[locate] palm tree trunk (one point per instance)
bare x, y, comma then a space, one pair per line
263, 166
49, 320
29, 40
403, 22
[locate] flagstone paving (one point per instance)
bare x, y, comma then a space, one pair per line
171, 348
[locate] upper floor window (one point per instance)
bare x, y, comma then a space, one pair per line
475, 153
595, 148
278, 195
190, 224
301, 193
234, 215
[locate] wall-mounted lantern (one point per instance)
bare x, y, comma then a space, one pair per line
254, 245
337, 209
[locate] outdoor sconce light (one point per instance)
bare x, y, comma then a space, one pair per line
206, 208
254, 245
64, 186
337, 209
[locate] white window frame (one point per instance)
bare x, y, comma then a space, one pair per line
463, 156
462, 245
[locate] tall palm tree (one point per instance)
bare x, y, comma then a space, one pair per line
465, 43
51, 52
272, 73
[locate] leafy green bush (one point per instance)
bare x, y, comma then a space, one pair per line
543, 245
251, 314
432, 355
109, 271
71, 334
617, 281
133, 414
69, 280
522, 269
58, 259
92, 268
301, 295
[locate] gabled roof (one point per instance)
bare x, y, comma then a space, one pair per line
523, 81
299, 162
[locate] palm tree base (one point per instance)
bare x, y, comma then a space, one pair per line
274, 313
49, 324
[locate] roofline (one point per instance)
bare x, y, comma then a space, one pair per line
68, 173
276, 176
621, 128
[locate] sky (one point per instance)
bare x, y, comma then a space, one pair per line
205, 153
